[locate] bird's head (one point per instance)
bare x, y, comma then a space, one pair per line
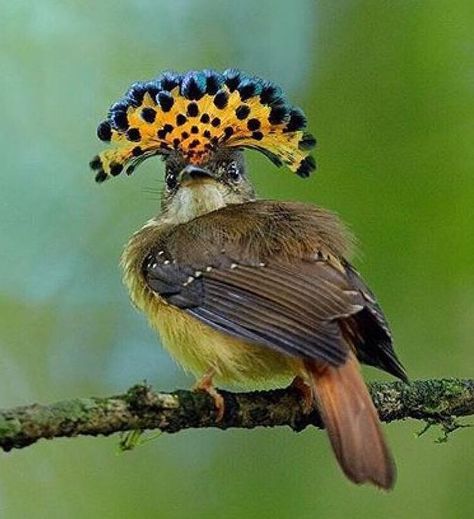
200, 122
191, 190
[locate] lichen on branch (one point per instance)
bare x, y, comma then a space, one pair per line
141, 408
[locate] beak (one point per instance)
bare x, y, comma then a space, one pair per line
191, 173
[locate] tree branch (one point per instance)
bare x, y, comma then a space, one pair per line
141, 408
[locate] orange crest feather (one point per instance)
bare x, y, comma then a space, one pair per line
198, 113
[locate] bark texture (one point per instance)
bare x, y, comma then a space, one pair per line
141, 408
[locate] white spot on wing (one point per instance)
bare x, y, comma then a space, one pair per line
189, 281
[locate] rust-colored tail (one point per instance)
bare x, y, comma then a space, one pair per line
352, 423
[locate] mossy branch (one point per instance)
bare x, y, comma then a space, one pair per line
142, 408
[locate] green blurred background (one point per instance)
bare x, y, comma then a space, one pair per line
388, 88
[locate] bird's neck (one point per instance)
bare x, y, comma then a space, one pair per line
193, 201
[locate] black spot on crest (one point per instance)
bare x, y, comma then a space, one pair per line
149, 114
135, 93
180, 119
247, 89
101, 176
137, 151
216, 122
168, 80
133, 134
214, 82
104, 131
231, 78
307, 165
119, 119
194, 129
242, 112
205, 118
278, 114
297, 120
270, 94
207, 134
258, 136
308, 142
193, 85
253, 124
167, 128
152, 88
193, 110
115, 168
165, 100
95, 163
119, 106
228, 131
221, 99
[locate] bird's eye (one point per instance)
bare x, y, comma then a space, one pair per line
171, 180
233, 171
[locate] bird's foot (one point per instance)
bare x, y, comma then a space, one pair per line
304, 389
205, 384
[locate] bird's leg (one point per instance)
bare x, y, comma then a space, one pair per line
205, 384
306, 392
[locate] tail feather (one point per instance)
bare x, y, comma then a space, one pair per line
352, 423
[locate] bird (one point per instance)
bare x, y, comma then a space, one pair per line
245, 290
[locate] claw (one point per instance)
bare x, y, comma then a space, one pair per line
304, 389
205, 384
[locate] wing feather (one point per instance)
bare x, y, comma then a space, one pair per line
232, 270
293, 310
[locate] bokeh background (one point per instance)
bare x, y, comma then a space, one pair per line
388, 88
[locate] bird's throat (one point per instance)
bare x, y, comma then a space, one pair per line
196, 199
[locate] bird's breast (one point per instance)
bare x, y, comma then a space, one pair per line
198, 348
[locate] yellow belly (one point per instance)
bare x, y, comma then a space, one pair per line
198, 348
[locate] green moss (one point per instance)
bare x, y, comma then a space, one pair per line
9, 427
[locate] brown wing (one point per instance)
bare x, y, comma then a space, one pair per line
291, 308
370, 332
269, 272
